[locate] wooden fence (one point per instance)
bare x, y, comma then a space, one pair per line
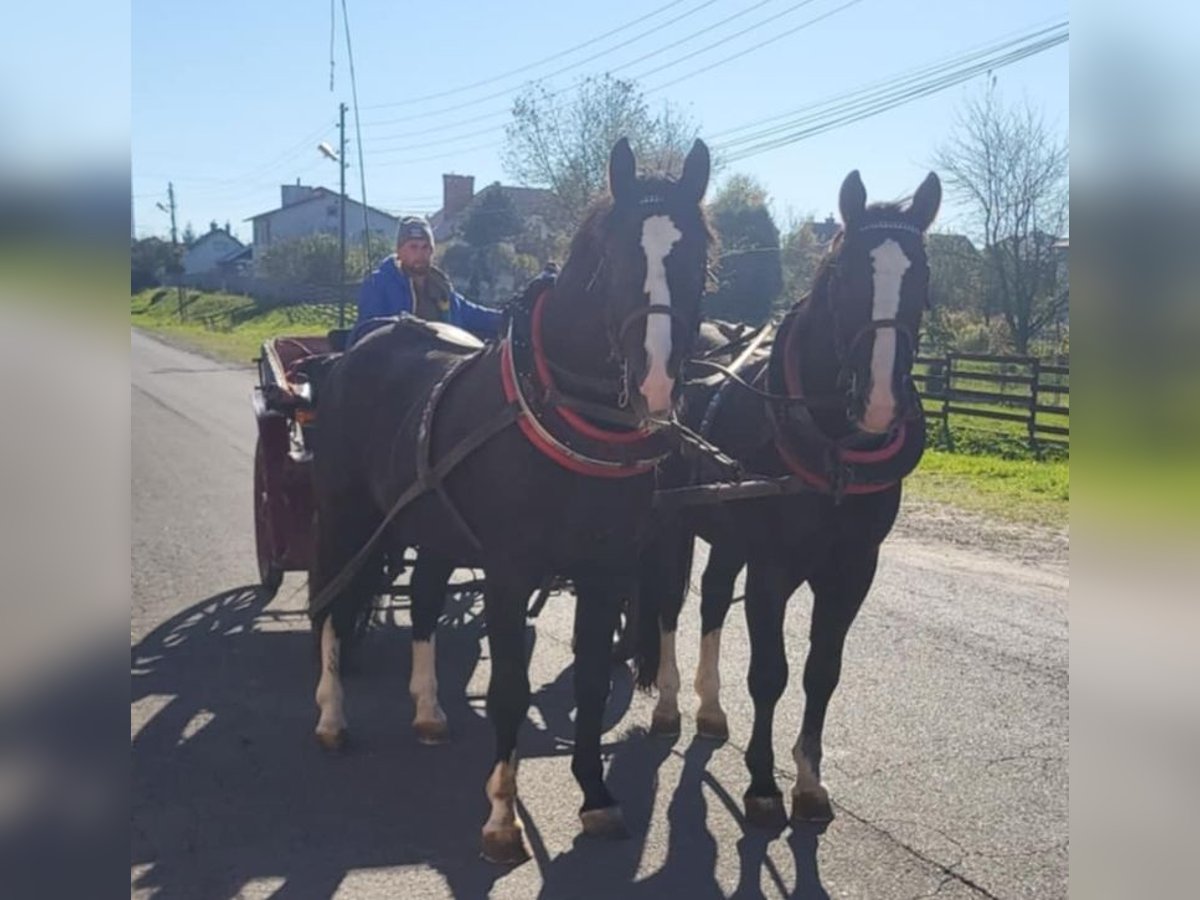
1031, 395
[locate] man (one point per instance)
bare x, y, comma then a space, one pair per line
408, 282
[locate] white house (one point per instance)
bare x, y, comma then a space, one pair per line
308, 210
207, 252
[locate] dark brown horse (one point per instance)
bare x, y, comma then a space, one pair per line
829, 408
571, 403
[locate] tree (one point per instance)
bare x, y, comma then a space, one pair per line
1011, 172
564, 146
749, 272
150, 261
490, 219
314, 259
800, 253
189, 235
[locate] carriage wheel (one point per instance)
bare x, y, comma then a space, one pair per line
270, 573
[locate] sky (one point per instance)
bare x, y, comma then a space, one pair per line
229, 100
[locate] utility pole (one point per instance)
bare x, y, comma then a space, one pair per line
342, 214
175, 249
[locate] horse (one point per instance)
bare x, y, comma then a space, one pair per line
827, 406
529, 457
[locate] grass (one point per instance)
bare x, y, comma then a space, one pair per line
1016, 490
990, 470
227, 326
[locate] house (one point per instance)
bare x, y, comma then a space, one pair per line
825, 231
306, 210
208, 252
536, 208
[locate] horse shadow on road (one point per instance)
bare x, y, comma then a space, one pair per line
230, 792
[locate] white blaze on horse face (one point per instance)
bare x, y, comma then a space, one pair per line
889, 265
659, 235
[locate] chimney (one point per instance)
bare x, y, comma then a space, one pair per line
294, 193
457, 191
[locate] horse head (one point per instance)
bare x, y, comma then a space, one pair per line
874, 287
642, 254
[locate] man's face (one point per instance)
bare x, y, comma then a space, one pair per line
415, 255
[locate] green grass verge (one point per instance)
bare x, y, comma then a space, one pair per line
226, 326
1016, 490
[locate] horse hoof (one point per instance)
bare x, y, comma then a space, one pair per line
607, 823
811, 807
333, 740
713, 726
665, 726
432, 733
765, 812
505, 846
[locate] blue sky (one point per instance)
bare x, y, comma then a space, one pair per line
230, 99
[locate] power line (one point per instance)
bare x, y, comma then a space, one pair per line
872, 103
894, 80
595, 56
779, 37
533, 65
853, 106
362, 169
793, 8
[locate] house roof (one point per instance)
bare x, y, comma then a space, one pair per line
208, 234
318, 193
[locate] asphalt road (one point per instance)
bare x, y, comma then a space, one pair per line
946, 746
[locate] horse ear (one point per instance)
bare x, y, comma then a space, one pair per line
622, 170
926, 202
696, 168
852, 199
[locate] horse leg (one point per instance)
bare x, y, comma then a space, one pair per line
839, 588
597, 609
338, 536
430, 577
665, 569
768, 587
716, 596
505, 598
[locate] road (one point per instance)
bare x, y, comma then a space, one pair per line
946, 745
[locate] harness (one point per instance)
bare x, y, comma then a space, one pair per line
834, 466
555, 423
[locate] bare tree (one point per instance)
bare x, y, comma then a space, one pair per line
1011, 171
563, 143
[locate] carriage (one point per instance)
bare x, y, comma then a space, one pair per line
285, 412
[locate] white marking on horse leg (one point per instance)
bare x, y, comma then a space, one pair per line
708, 674
430, 720
889, 265
332, 722
659, 235
666, 710
502, 793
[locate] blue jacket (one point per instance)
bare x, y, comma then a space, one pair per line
388, 292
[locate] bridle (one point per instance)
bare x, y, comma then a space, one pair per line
844, 350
